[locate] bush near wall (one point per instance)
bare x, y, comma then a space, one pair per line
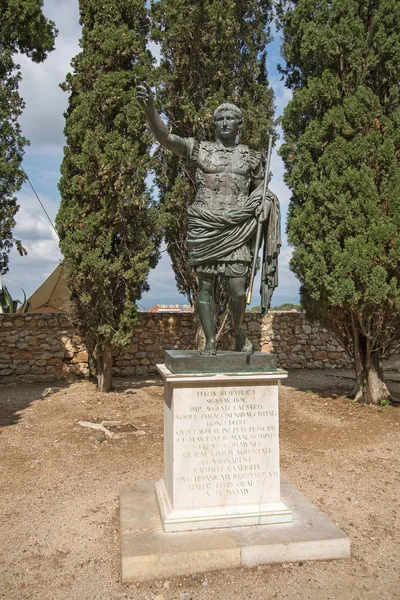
44, 347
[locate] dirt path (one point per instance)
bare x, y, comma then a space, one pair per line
59, 502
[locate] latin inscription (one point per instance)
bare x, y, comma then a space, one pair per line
227, 441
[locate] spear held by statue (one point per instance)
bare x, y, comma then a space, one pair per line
261, 219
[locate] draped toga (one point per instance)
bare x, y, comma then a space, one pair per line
222, 220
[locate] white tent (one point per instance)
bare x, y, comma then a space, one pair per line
52, 295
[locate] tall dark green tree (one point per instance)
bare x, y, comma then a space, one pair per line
342, 158
24, 29
212, 51
107, 224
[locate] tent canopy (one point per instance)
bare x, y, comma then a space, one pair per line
52, 295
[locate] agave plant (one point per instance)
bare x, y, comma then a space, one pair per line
10, 306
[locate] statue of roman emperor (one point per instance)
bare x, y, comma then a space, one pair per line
223, 218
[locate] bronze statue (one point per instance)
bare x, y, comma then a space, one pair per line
223, 219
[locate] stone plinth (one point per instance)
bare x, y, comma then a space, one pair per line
182, 362
221, 450
149, 553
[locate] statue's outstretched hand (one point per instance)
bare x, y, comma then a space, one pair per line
144, 95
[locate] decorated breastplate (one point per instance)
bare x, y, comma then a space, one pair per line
222, 176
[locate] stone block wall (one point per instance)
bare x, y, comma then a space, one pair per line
299, 344
156, 332
39, 347
44, 347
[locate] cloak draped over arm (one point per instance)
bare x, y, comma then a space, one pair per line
213, 236
271, 249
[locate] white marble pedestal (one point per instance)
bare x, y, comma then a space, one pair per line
221, 489
221, 451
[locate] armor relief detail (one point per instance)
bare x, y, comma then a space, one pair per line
223, 175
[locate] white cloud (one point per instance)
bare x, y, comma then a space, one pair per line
29, 205
42, 121
41, 252
30, 229
40, 241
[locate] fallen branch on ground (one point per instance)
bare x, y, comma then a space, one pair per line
101, 426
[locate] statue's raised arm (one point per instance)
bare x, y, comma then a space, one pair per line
172, 142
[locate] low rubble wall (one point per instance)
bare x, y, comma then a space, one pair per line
44, 347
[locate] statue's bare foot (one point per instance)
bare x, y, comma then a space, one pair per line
210, 349
243, 344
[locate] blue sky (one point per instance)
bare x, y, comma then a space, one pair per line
42, 123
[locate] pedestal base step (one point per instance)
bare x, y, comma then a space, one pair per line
148, 553
218, 517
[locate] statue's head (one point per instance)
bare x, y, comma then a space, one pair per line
228, 119
227, 106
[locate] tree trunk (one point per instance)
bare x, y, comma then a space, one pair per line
369, 385
356, 393
104, 364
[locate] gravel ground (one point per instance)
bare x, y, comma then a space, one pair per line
59, 503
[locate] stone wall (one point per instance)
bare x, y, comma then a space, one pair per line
44, 347
39, 347
297, 343
156, 332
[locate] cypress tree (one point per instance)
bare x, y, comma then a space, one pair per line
24, 29
212, 51
342, 159
107, 224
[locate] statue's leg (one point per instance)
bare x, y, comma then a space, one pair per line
205, 308
237, 291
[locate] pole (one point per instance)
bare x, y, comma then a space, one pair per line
259, 225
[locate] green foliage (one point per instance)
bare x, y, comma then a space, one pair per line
108, 227
254, 309
342, 159
24, 29
211, 52
288, 306
10, 306
382, 402
285, 306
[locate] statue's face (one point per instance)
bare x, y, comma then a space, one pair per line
226, 124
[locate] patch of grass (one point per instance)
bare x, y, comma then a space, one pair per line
383, 402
